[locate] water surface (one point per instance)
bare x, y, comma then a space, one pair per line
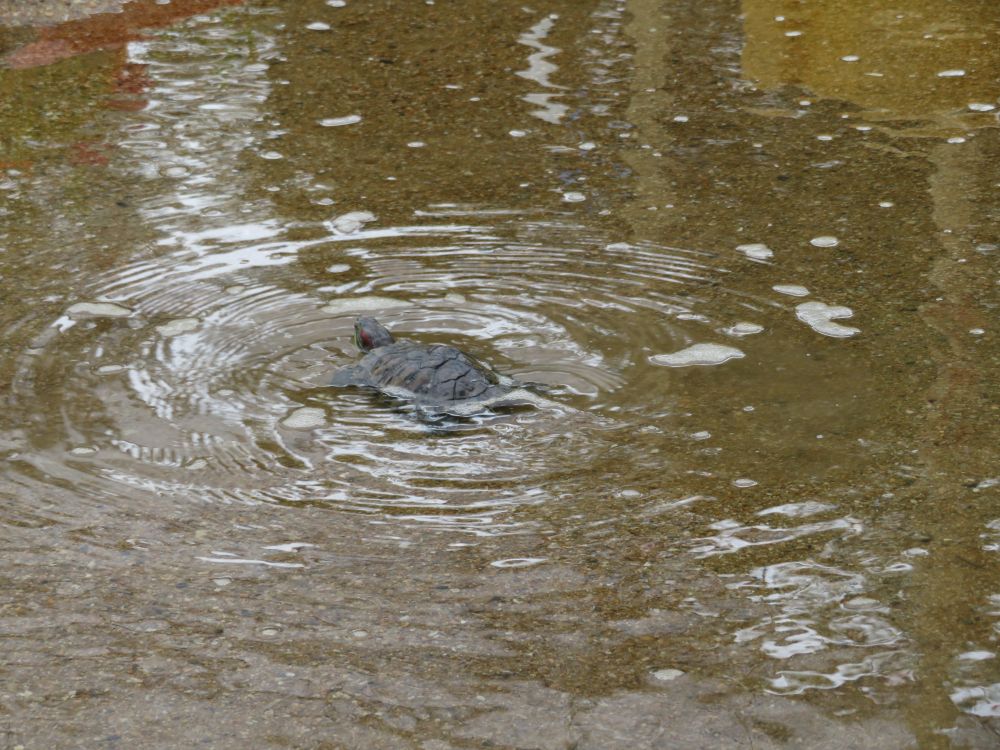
749, 253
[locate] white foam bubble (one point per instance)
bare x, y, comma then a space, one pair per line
305, 418
666, 675
977, 656
289, 547
797, 510
850, 58
573, 197
792, 290
318, 26
755, 251
176, 327
97, 310
351, 222
955, 73
336, 122
698, 355
820, 316
824, 241
981, 107
338, 268
518, 562
743, 329
372, 302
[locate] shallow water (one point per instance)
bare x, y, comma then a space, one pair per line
749, 250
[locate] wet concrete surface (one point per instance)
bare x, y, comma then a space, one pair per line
792, 545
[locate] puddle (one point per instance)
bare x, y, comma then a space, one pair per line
201, 196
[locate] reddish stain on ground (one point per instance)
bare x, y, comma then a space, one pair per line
106, 30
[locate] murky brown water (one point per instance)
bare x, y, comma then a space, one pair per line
785, 537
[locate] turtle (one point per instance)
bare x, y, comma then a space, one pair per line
436, 377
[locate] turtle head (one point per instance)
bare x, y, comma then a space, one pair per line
370, 334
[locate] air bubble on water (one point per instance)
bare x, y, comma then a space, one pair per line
270, 632
979, 701
666, 675
235, 289
850, 58
744, 483
824, 241
587, 146
955, 73
681, 118
271, 155
336, 3
886, 204
305, 418
336, 122
981, 107
338, 268
701, 435
289, 547
743, 329
797, 510
179, 326
977, 656
82, 310
824, 137
956, 139
110, 369
358, 304
698, 355
793, 33
977, 331
861, 603
318, 26
756, 251
83, 451
820, 316
351, 222
518, 562
916, 552
863, 128
416, 144
573, 197
517, 133
792, 290
220, 582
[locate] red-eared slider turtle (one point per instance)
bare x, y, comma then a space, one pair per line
434, 376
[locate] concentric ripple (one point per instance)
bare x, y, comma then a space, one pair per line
193, 365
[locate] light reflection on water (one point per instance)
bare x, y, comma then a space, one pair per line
651, 499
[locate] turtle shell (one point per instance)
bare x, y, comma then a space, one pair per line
435, 373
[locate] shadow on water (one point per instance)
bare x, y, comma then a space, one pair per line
747, 258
